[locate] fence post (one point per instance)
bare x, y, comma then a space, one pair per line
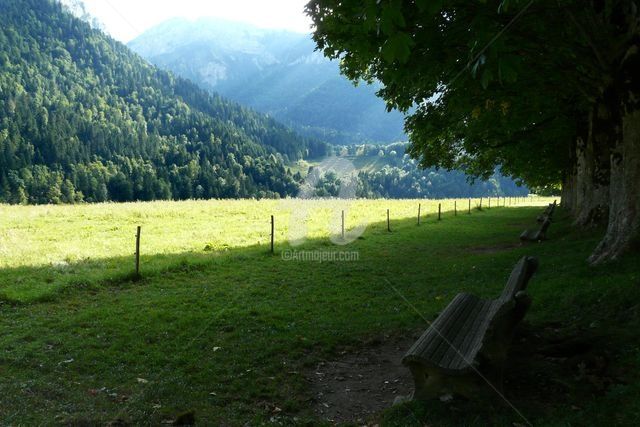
455, 208
343, 225
388, 222
138, 251
439, 211
273, 229
469, 206
419, 211
480, 203
489, 205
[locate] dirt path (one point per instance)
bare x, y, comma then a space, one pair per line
361, 384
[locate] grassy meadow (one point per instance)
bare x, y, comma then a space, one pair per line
219, 327
45, 249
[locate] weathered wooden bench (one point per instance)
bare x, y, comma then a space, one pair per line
548, 212
537, 235
467, 344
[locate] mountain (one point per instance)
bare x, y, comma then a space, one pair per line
276, 72
82, 118
387, 171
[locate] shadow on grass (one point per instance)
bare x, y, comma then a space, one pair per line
31, 284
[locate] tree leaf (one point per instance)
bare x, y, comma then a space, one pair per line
486, 78
430, 7
397, 47
392, 18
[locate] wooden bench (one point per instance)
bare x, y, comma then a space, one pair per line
470, 336
536, 235
548, 212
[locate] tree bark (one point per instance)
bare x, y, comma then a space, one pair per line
623, 229
593, 168
569, 182
568, 196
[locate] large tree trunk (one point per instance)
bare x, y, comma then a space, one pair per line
569, 182
593, 168
624, 221
568, 196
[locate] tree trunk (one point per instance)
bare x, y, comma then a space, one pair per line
624, 220
593, 168
568, 196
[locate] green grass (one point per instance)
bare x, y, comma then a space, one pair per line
45, 250
230, 332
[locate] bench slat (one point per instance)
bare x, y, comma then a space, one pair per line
443, 325
448, 348
473, 343
427, 345
464, 347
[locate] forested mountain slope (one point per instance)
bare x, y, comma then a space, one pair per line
84, 118
276, 72
388, 171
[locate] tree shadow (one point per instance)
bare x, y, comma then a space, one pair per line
29, 284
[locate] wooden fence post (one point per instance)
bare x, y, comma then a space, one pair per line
388, 222
343, 225
439, 211
480, 203
455, 208
138, 251
489, 205
469, 206
419, 211
273, 229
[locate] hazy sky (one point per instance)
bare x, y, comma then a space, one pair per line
125, 19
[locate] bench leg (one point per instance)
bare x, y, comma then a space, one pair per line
432, 385
428, 385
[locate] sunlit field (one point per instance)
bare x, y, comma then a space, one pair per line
82, 244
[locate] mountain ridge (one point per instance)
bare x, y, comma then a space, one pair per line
274, 71
83, 118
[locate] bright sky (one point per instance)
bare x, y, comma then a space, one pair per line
126, 19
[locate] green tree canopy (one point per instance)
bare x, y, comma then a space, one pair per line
516, 83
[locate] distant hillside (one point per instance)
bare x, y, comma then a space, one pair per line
387, 171
82, 118
276, 72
